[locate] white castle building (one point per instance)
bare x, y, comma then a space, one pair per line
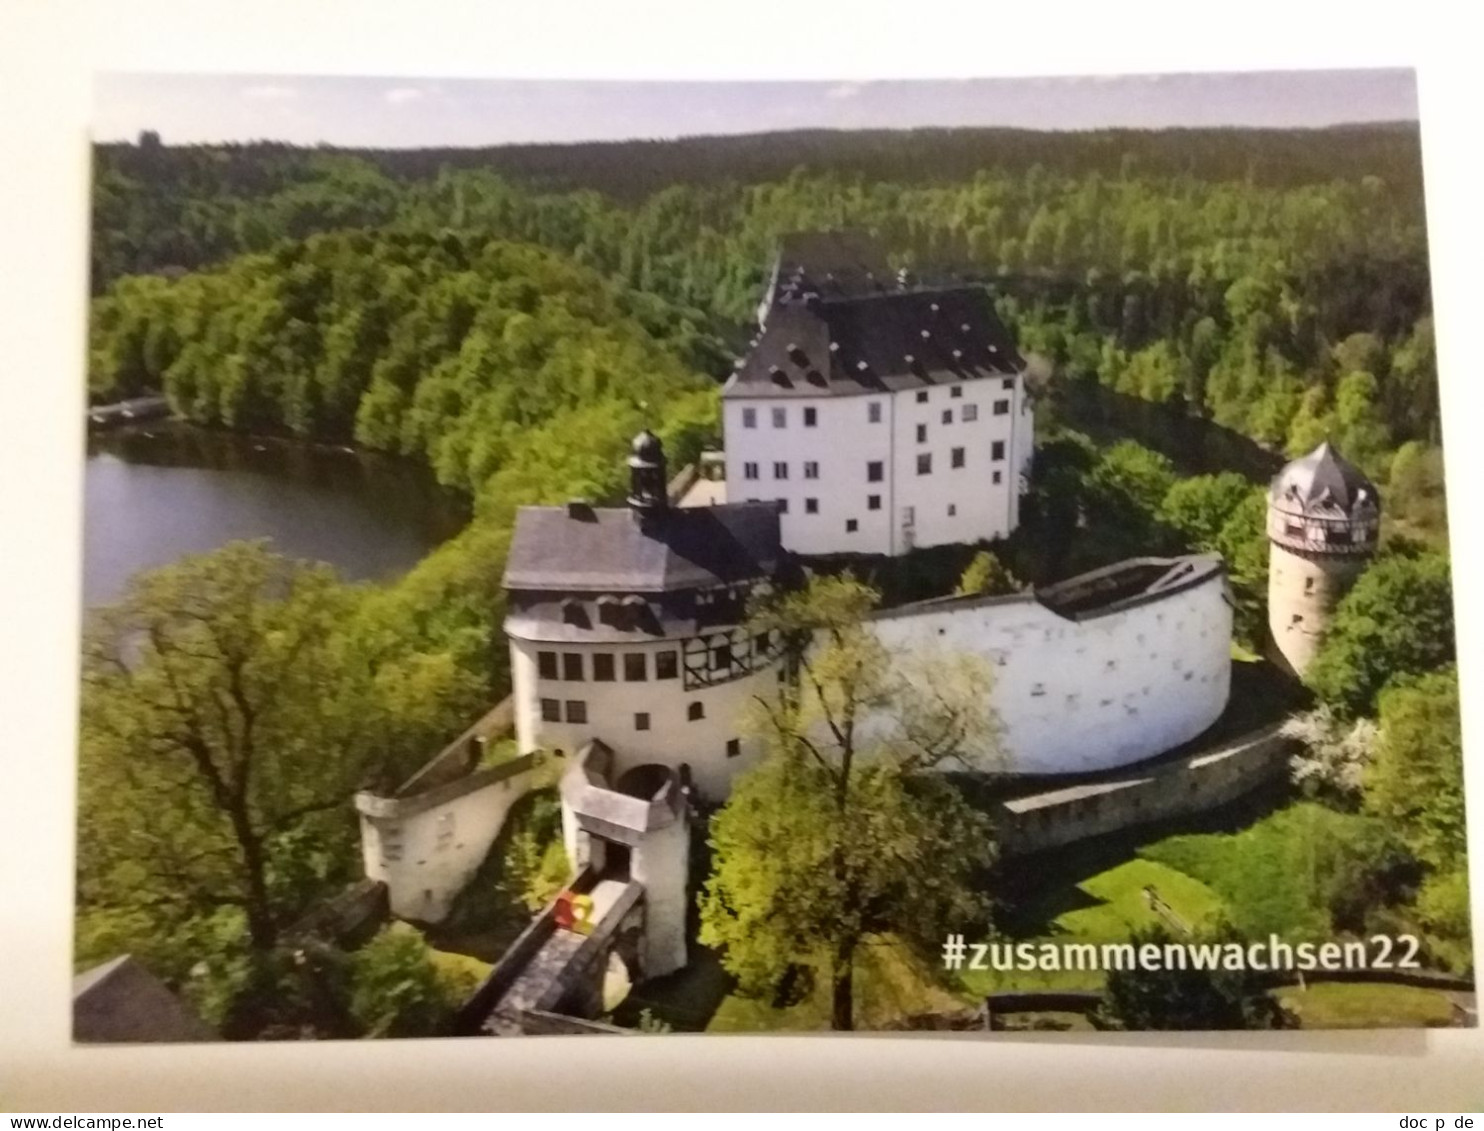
879, 418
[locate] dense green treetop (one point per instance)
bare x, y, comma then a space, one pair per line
1396, 622
839, 838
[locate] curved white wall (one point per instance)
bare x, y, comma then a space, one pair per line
427, 855
1075, 696
673, 737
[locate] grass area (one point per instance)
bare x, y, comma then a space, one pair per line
460, 967
1123, 907
1047, 1020
1102, 906
891, 986
1282, 874
497, 753
1244, 655
1365, 1005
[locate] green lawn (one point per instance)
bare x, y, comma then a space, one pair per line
1365, 1005
1280, 875
891, 984
1104, 906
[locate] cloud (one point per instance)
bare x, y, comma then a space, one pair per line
841, 91
401, 95
269, 93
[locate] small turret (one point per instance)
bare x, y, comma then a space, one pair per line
648, 483
1324, 521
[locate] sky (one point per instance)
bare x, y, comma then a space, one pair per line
404, 113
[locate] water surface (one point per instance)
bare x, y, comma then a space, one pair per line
156, 492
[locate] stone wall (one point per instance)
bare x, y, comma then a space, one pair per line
1178, 788
1101, 684
426, 846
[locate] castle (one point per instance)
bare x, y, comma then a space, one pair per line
867, 418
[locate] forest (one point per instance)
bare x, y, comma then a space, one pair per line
509, 317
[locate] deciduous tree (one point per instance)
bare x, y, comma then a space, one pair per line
843, 834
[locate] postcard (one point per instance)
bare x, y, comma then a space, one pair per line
641, 558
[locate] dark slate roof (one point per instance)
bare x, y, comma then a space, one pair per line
875, 344
122, 1001
578, 618
606, 549
1323, 480
840, 264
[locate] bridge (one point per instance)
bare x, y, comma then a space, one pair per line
620, 919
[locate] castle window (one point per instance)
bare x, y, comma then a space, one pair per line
551, 711
546, 665
641, 720
749, 471
956, 391
997, 449
1001, 408
666, 666
1297, 619
948, 416
782, 506
749, 418
999, 477
925, 463
1037, 690
875, 471
922, 396
576, 711
1112, 665
1009, 383
971, 412
851, 526
873, 502
1293, 529
952, 509
811, 469
734, 748
603, 667
695, 711
721, 657
811, 417
922, 433
780, 470
873, 412
811, 506
634, 667
572, 666
780, 418
956, 457
1308, 585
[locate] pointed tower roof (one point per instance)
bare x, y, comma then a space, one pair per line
1324, 479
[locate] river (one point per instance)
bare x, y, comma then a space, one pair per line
156, 492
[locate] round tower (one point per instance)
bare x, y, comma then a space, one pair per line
1324, 517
